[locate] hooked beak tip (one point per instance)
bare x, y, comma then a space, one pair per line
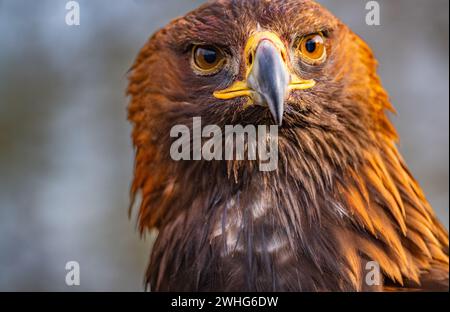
278, 117
270, 78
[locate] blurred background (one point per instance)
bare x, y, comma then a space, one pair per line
65, 154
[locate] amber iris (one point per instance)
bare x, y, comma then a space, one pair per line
312, 48
207, 59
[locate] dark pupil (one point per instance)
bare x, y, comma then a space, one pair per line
210, 56
311, 46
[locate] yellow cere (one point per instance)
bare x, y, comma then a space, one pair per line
240, 88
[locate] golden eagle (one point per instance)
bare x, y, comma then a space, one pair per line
342, 196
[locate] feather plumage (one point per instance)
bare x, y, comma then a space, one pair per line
342, 195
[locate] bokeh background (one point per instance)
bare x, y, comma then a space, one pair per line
65, 153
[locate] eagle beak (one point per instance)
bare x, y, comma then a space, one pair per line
269, 81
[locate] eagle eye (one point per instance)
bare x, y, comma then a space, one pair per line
312, 49
207, 60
